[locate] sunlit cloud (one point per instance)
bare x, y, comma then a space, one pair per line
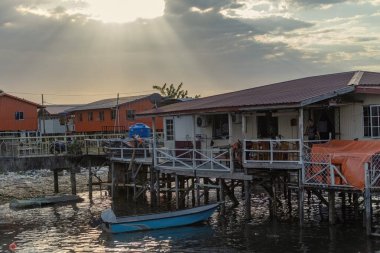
110, 11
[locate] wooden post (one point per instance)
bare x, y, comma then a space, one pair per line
56, 184
176, 192
154, 130
89, 180
169, 186
158, 187
192, 192
221, 190
355, 199
367, 200
331, 207
73, 182
194, 142
198, 192
206, 191
152, 187
300, 199
230, 141
274, 197
112, 180
247, 195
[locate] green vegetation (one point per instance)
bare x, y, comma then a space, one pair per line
171, 91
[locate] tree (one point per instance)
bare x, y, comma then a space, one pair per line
171, 91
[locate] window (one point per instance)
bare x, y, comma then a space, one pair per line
19, 115
80, 116
62, 120
131, 114
169, 123
101, 115
89, 116
267, 126
113, 114
371, 121
220, 126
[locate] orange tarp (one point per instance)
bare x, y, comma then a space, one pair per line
350, 156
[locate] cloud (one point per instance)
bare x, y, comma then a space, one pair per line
210, 45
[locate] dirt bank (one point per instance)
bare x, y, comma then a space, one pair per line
34, 183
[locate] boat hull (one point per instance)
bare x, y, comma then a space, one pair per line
164, 222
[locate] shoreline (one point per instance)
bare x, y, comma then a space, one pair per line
37, 183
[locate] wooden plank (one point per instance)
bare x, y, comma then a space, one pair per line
275, 165
203, 173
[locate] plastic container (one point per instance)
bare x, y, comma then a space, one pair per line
139, 129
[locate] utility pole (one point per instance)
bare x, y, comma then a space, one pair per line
116, 115
43, 114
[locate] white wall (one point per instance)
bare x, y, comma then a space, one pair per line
351, 116
53, 126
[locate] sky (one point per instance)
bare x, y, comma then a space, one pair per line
78, 51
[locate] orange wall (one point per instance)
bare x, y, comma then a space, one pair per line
8, 107
96, 125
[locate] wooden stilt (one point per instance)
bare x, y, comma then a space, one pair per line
73, 182
274, 197
89, 180
158, 187
198, 192
247, 195
217, 192
300, 199
169, 186
206, 191
192, 192
355, 199
331, 207
113, 176
221, 190
56, 184
176, 192
152, 187
343, 197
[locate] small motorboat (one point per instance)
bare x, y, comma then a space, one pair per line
189, 216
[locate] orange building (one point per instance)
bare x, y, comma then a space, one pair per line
109, 115
17, 114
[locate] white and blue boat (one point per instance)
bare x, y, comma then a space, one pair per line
185, 217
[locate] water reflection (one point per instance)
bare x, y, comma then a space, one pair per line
73, 228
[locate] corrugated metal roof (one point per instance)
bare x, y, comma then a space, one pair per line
58, 109
20, 99
112, 102
370, 78
293, 92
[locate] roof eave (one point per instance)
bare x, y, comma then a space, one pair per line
328, 95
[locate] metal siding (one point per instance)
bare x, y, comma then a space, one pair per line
351, 118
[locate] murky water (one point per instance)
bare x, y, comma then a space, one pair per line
72, 228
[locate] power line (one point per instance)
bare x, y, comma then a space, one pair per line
78, 95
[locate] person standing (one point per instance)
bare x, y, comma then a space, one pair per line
311, 131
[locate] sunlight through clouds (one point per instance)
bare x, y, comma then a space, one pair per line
106, 11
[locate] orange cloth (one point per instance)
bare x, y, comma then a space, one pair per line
350, 156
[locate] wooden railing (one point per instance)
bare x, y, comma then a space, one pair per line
270, 151
217, 159
48, 145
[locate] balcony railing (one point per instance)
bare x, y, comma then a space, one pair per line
218, 159
48, 145
272, 151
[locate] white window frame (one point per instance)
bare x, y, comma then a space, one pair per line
372, 117
167, 135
